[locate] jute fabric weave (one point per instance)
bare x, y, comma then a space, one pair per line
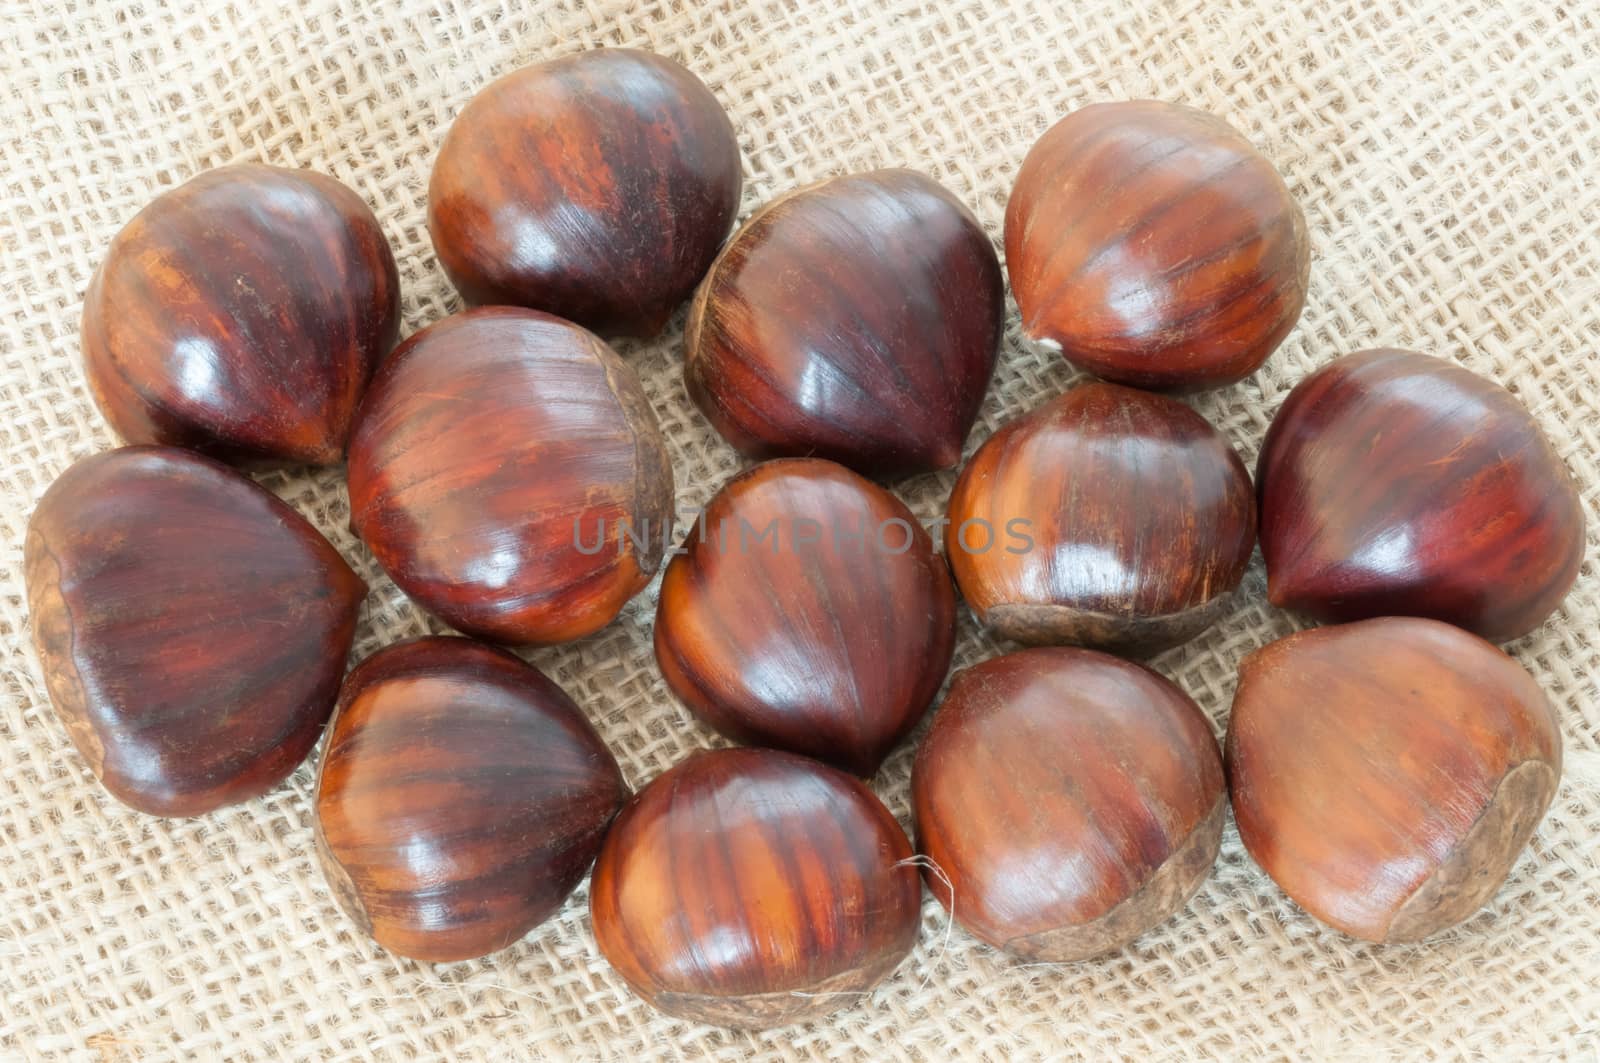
1446, 155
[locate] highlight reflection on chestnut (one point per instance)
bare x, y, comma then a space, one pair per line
461, 797
1154, 246
753, 888
856, 319
191, 627
1395, 483
494, 447
597, 186
808, 612
1388, 773
242, 314
1107, 517
1071, 801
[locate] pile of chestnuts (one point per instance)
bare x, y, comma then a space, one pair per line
506, 469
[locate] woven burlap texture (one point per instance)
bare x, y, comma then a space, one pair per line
1445, 157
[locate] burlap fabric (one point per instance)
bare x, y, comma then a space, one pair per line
1446, 158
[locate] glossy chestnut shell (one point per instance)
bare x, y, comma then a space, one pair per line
509, 474
808, 611
1070, 800
1387, 773
855, 320
598, 187
462, 796
1154, 246
242, 314
753, 888
1395, 483
191, 627
1107, 517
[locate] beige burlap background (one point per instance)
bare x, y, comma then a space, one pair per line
1447, 160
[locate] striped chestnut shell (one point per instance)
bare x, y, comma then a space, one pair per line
507, 471
192, 628
462, 796
597, 187
753, 888
1070, 800
242, 314
1107, 517
1388, 773
1154, 246
856, 320
1395, 483
808, 611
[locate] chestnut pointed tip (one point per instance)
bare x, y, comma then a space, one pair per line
1277, 593
946, 455
325, 455
1039, 338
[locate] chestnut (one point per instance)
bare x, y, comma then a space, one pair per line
1154, 246
754, 888
1393, 483
598, 187
242, 314
807, 611
856, 319
191, 627
1069, 800
508, 472
461, 797
1107, 517
1387, 773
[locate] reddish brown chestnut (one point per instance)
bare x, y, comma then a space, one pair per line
1154, 246
1387, 773
1070, 800
753, 888
856, 320
191, 627
1107, 517
242, 314
462, 796
808, 611
597, 186
509, 474
1395, 483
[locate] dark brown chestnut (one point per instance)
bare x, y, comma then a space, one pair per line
753, 888
191, 627
1154, 246
808, 611
597, 186
508, 472
1069, 800
1387, 773
242, 314
1393, 483
856, 320
1107, 517
461, 797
